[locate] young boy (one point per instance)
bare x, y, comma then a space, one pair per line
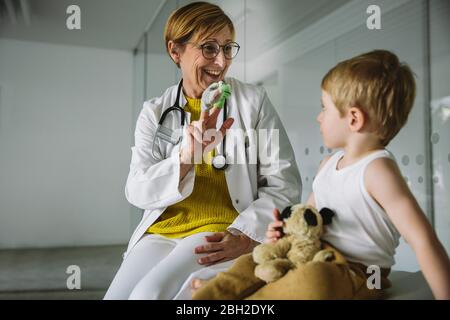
366, 100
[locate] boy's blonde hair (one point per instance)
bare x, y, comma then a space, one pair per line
195, 21
379, 85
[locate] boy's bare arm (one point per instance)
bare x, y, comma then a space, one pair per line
311, 200
386, 185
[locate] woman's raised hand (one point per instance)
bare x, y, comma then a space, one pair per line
203, 133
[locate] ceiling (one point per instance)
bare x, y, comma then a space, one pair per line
111, 24
119, 24
270, 22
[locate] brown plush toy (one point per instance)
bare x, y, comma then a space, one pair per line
300, 243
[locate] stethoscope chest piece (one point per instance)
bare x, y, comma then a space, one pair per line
219, 162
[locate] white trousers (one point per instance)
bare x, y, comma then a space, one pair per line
159, 268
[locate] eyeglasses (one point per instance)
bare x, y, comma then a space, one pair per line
211, 49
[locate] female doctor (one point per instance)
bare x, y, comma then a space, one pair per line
200, 213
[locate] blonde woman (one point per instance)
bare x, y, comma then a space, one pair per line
195, 214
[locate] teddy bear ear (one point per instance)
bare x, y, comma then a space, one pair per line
326, 214
286, 213
310, 217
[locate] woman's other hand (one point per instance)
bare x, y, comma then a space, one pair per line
215, 95
210, 96
224, 246
275, 228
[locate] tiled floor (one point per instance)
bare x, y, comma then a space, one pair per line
54, 295
41, 273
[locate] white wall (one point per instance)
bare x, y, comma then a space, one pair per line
65, 132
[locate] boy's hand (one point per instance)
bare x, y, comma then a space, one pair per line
275, 229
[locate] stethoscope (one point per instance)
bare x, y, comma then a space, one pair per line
219, 161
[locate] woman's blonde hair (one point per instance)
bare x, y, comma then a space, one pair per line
379, 85
195, 21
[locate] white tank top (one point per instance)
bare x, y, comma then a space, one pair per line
361, 229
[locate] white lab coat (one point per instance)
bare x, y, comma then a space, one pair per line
153, 185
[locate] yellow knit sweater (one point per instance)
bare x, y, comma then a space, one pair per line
208, 208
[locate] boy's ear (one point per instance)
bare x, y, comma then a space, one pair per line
357, 119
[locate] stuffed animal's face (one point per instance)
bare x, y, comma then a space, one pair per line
304, 221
